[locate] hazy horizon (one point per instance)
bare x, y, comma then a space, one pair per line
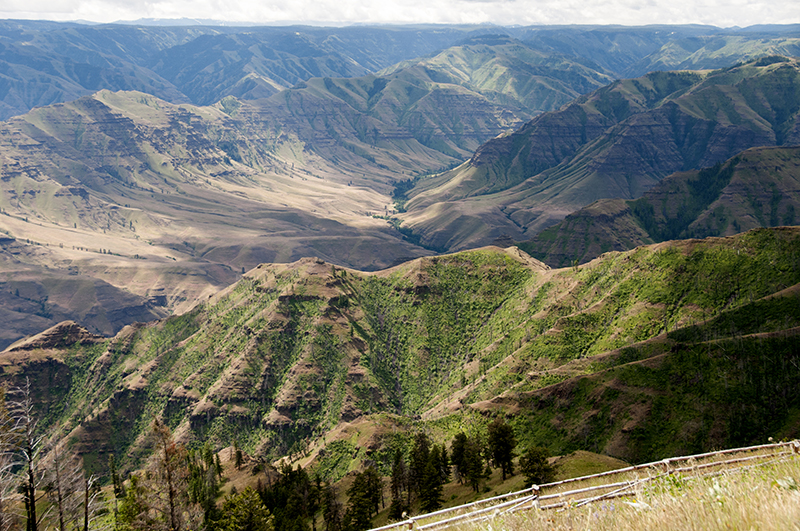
722, 14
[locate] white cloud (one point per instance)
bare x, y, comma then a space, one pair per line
628, 12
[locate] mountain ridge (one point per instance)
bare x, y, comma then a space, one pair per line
293, 350
756, 188
616, 142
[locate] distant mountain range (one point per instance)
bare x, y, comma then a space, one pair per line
336, 143
616, 142
42, 63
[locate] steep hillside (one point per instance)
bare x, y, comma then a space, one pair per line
307, 171
622, 355
123, 186
757, 188
717, 51
506, 69
616, 142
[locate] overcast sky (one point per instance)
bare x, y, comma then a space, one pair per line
723, 13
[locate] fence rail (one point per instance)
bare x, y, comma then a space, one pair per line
631, 478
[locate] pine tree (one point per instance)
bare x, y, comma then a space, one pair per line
444, 464
313, 501
473, 463
245, 511
431, 487
360, 504
239, 459
160, 498
293, 499
399, 485
501, 446
331, 509
457, 456
535, 466
204, 486
374, 486
134, 510
420, 456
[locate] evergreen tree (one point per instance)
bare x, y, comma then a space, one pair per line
360, 504
116, 484
374, 486
204, 486
501, 446
457, 456
420, 456
444, 464
431, 487
292, 500
313, 501
160, 498
535, 466
116, 481
331, 509
238, 456
244, 511
474, 471
134, 510
399, 486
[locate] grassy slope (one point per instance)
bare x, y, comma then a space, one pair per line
757, 188
240, 183
617, 142
290, 356
505, 68
764, 497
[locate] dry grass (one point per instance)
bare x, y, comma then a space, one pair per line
765, 497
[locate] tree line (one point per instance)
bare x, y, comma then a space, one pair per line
189, 484
44, 486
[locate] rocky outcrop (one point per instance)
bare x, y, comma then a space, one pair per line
62, 335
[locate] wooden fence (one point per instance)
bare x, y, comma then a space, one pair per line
575, 492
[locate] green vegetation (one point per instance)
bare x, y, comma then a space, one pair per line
663, 350
756, 188
534, 465
701, 191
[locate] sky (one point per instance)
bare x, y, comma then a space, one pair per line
722, 13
